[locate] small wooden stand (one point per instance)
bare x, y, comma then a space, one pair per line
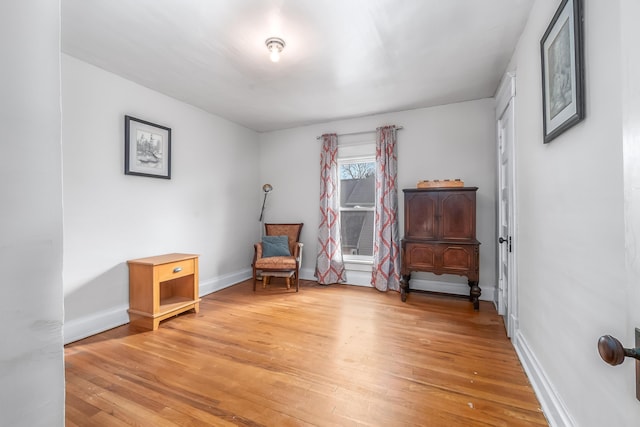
161, 287
267, 275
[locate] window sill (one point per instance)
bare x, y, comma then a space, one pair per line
358, 265
357, 259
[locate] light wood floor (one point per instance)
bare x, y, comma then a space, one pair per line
326, 356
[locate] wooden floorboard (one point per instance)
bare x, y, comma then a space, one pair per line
325, 356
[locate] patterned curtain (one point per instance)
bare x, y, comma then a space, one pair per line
329, 266
386, 247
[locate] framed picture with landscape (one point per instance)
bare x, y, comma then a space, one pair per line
562, 51
147, 148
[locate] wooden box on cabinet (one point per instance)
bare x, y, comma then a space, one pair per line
162, 286
440, 235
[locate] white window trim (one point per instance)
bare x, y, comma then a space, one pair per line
357, 262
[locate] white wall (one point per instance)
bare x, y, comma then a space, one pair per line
31, 311
451, 141
111, 217
571, 238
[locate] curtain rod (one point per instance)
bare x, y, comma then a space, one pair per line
360, 133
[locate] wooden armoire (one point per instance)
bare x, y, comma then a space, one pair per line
440, 236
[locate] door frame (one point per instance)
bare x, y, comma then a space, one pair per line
505, 98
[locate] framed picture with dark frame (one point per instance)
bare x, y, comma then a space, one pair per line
147, 148
562, 50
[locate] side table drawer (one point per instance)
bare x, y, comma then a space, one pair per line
175, 270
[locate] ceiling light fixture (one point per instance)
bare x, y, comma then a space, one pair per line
275, 46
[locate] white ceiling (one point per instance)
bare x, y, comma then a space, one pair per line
344, 58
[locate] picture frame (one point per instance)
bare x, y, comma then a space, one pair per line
147, 148
562, 52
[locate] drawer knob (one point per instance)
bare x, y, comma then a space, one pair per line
177, 269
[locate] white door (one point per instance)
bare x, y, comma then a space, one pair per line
507, 301
631, 153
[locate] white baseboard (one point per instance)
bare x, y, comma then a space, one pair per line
552, 406
488, 291
363, 278
356, 278
222, 282
308, 274
95, 323
359, 278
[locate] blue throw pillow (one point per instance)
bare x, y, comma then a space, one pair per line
275, 246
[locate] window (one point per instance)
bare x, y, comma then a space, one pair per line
357, 203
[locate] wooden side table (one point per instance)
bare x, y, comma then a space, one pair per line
161, 287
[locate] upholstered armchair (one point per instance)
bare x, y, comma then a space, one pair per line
279, 254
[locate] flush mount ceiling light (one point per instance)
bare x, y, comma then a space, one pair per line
275, 46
